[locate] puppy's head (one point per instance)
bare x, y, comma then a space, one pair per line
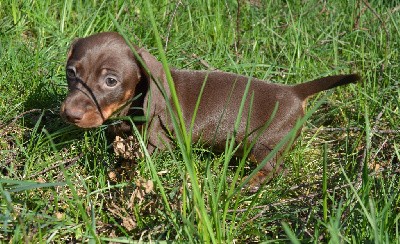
102, 75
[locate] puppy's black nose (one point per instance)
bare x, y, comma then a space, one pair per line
73, 115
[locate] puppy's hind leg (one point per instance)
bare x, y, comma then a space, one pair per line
270, 170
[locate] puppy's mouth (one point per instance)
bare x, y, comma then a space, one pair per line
86, 115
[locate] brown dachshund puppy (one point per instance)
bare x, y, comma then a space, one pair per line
104, 76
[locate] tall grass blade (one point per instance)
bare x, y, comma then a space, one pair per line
325, 184
292, 236
184, 142
355, 194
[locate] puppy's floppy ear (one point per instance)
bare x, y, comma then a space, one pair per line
71, 47
159, 91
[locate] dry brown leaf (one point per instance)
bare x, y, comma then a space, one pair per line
113, 176
149, 186
128, 148
41, 180
143, 187
59, 215
128, 223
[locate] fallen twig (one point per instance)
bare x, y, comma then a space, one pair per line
355, 129
68, 162
18, 117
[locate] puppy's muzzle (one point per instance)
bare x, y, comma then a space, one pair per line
79, 111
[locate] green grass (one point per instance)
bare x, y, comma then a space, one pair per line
61, 184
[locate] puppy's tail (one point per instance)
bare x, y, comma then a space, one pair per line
307, 89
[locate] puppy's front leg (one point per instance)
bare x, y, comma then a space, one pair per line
157, 135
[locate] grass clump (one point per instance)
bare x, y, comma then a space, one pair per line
62, 184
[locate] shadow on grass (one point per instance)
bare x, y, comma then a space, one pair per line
42, 113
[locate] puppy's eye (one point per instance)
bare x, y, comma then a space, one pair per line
111, 82
71, 73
